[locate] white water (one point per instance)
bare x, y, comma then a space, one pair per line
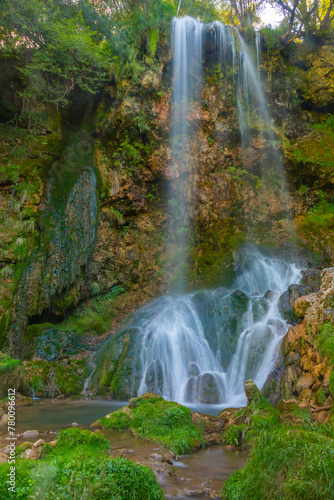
185, 338
187, 36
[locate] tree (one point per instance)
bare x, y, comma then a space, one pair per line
60, 52
311, 19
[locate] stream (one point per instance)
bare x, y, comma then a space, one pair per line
199, 475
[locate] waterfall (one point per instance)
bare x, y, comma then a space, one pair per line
258, 50
202, 347
187, 72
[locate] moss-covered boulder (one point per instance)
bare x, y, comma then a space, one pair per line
12, 376
152, 418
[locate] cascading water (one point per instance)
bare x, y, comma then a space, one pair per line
258, 49
202, 347
187, 71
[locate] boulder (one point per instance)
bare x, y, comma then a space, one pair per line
252, 392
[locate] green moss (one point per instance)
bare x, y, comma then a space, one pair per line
160, 421
325, 341
8, 364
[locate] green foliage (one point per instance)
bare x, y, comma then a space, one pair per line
8, 364
233, 435
325, 341
78, 467
64, 53
331, 383
94, 317
118, 421
73, 437
163, 422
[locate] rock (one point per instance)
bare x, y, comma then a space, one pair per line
4, 419
26, 445
55, 344
31, 454
286, 301
301, 304
32, 433
311, 280
252, 392
304, 382
53, 443
14, 378
213, 439
3, 458
150, 80
38, 443
74, 424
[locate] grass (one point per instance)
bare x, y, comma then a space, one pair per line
79, 467
285, 464
325, 341
8, 364
289, 459
163, 422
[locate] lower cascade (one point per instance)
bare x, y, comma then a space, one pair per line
201, 347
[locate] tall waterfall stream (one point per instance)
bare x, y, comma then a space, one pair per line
200, 348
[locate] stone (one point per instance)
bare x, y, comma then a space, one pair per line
31, 454
74, 424
301, 304
38, 443
32, 433
3, 458
252, 392
304, 382
26, 445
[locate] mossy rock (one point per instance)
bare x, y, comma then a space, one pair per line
152, 418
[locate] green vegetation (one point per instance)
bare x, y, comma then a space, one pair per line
96, 316
325, 341
79, 467
160, 421
8, 364
47, 377
286, 463
291, 455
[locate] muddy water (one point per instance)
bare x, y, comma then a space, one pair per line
198, 476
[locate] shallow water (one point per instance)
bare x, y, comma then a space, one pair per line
206, 469
56, 415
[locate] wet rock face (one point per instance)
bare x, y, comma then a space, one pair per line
222, 312
68, 237
309, 283
303, 370
205, 386
55, 344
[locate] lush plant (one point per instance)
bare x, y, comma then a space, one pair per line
79, 467
94, 317
285, 463
163, 422
8, 364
